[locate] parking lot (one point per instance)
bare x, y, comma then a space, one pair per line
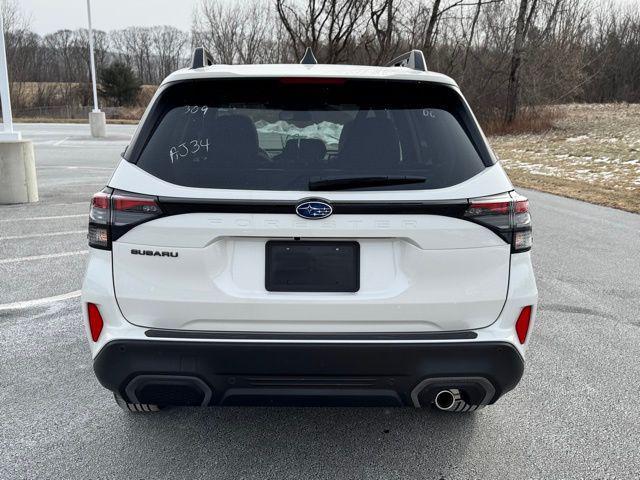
576, 413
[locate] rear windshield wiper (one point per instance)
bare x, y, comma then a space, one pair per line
347, 182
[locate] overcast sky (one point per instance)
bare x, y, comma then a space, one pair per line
51, 15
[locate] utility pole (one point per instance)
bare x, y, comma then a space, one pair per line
7, 116
18, 182
97, 119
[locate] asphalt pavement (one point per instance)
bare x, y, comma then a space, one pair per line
576, 413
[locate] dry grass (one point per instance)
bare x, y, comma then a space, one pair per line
63, 100
592, 153
531, 120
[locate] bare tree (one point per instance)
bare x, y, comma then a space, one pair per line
526, 14
385, 40
133, 46
168, 47
509, 55
244, 32
327, 26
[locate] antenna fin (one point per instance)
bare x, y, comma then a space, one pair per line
309, 58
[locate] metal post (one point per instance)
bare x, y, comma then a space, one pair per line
5, 97
18, 181
93, 63
97, 120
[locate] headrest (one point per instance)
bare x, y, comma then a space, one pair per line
369, 139
235, 134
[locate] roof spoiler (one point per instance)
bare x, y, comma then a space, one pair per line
201, 58
413, 59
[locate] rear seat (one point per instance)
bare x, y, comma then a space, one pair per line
368, 138
234, 142
301, 152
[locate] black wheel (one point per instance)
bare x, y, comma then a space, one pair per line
135, 407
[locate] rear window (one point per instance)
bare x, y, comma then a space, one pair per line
283, 134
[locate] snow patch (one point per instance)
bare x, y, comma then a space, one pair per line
579, 138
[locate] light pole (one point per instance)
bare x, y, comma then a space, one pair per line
97, 119
7, 116
18, 182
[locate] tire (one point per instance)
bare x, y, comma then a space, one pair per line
135, 407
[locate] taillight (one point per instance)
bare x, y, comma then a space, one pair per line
99, 220
95, 321
507, 215
115, 213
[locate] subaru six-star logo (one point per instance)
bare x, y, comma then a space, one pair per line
314, 209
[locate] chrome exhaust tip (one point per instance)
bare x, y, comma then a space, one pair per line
448, 400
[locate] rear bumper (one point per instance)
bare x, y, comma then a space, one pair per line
172, 372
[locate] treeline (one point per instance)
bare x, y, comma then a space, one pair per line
509, 56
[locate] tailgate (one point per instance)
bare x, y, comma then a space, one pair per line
206, 271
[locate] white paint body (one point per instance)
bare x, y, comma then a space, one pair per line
419, 273
98, 288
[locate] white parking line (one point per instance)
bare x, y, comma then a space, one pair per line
41, 257
38, 235
60, 142
55, 217
39, 301
74, 167
86, 202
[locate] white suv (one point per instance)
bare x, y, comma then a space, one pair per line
309, 234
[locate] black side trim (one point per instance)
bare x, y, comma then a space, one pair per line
177, 206
153, 333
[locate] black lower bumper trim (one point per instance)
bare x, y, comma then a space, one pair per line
285, 373
199, 334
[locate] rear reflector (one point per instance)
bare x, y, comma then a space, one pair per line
522, 324
95, 321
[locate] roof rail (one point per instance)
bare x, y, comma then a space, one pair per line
309, 58
201, 58
413, 59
